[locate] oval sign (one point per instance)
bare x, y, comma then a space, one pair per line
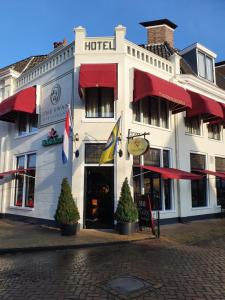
137, 146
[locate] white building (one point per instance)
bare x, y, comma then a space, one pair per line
154, 88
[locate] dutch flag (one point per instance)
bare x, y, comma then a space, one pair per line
67, 132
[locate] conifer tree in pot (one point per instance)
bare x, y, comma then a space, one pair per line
126, 213
67, 214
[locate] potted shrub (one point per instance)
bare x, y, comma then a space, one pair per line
67, 214
126, 212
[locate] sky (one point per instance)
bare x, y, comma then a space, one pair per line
30, 27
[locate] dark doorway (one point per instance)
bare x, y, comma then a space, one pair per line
99, 197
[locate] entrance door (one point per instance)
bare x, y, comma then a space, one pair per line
99, 197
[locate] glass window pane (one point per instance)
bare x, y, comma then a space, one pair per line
152, 157
154, 112
145, 107
22, 124
164, 114
166, 162
93, 153
167, 193
220, 164
201, 65
209, 68
198, 187
91, 102
197, 161
19, 182
33, 123
136, 111
107, 103
30, 180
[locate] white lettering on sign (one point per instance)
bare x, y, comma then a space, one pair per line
99, 46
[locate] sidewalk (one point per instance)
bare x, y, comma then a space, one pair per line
18, 236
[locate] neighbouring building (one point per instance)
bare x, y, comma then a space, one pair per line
176, 98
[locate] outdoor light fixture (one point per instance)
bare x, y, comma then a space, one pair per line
76, 137
77, 153
120, 153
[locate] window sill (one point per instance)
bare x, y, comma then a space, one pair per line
25, 135
98, 120
21, 208
200, 208
215, 140
196, 135
152, 126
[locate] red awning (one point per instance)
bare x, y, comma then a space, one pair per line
98, 75
205, 107
218, 174
171, 173
23, 101
18, 171
146, 84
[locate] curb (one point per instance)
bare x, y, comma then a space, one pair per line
66, 247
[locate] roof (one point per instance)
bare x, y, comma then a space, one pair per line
159, 22
165, 51
25, 64
220, 63
220, 79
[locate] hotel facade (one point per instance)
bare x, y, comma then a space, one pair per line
176, 98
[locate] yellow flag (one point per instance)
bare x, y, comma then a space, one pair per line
110, 147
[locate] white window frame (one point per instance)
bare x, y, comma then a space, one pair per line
99, 119
160, 117
13, 192
162, 182
28, 132
213, 68
207, 183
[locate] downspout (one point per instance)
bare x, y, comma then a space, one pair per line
177, 166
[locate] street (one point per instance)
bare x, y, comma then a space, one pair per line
140, 270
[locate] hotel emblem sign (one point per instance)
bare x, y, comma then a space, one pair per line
55, 94
55, 97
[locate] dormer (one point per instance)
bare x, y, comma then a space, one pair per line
201, 60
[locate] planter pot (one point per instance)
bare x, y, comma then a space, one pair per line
126, 228
69, 229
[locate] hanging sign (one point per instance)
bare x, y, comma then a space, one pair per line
52, 138
137, 146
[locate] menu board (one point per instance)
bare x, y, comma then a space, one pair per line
145, 218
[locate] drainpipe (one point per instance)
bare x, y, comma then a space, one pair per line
177, 166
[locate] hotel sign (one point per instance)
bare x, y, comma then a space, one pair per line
137, 146
55, 97
99, 45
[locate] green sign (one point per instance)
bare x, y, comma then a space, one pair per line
52, 141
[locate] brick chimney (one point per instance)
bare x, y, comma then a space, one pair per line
159, 31
58, 44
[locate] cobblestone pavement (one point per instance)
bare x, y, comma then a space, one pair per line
169, 271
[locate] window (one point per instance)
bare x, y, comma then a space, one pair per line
214, 131
93, 152
152, 111
99, 103
198, 187
159, 189
27, 123
220, 183
193, 125
205, 66
25, 183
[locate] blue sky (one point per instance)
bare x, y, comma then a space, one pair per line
30, 27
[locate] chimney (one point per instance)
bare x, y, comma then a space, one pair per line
159, 31
58, 44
